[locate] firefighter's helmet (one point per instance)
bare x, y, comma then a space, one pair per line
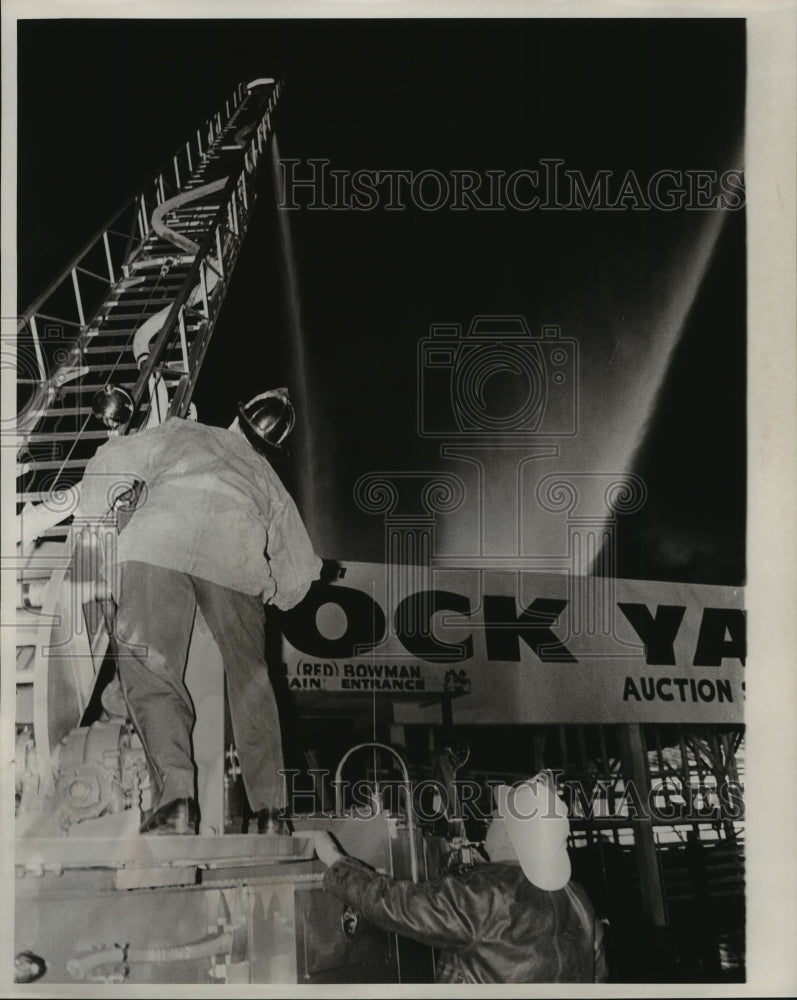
113, 405
266, 421
536, 820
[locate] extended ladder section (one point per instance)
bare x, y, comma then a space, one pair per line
137, 306
132, 314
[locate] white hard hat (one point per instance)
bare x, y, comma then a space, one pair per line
537, 824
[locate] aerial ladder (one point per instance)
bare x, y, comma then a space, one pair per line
113, 346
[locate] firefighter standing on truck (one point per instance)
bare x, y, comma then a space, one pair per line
214, 527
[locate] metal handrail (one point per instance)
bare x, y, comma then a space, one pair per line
338, 785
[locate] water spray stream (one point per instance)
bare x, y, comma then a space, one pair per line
621, 447
304, 443
623, 365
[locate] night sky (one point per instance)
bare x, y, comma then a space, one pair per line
655, 300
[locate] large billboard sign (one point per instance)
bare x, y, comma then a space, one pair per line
519, 647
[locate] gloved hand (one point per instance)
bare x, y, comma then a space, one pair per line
325, 846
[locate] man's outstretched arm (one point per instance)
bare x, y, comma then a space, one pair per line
446, 913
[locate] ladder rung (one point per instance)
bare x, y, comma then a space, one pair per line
184, 225
159, 247
200, 208
166, 297
36, 465
119, 350
151, 300
93, 387
167, 284
68, 411
166, 294
98, 366
108, 330
116, 317
198, 226
104, 332
158, 303
142, 262
76, 411
127, 331
42, 437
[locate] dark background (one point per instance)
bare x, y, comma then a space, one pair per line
102, 105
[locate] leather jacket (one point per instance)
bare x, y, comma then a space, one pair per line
490, 924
